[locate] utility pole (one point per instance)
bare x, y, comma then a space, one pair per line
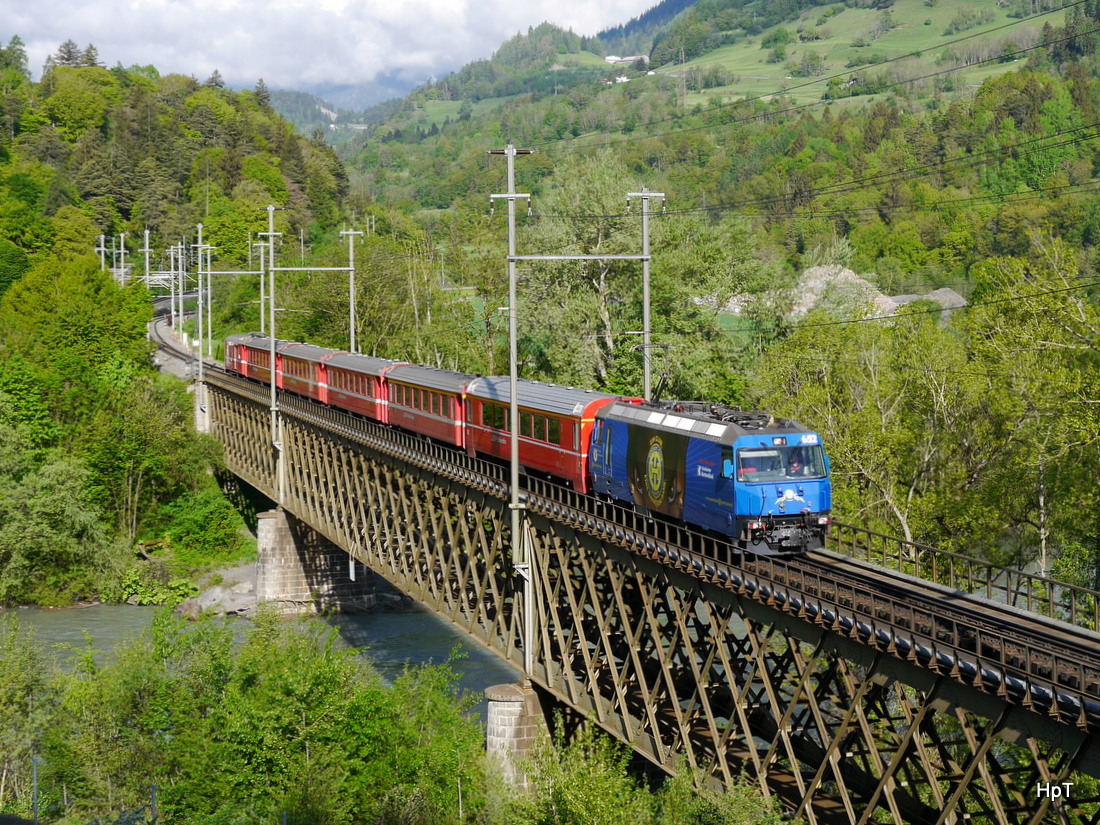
351, 233
276, 435
145, 249
198, 317
209, 305
122, 259
261, 246
647, 380
521, 554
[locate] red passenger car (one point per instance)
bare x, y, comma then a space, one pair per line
555, 425
355, 383
300, 370
250, 355
427, 401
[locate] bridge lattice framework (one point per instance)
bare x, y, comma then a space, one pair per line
695, 663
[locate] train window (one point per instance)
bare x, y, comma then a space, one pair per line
576, 436
763, 464
469, 412
554, 430
539, 431
525, 424
499, 417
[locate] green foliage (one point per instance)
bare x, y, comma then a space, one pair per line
25, 696
79, 99
261, 171
13, 264
204, 529
139, 448
142, 586
587, 781
52, 547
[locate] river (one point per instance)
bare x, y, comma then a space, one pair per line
390, 639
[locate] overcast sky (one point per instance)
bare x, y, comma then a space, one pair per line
296, 44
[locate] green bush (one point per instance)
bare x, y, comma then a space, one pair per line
205, 529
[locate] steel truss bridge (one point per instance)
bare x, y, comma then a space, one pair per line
853, 693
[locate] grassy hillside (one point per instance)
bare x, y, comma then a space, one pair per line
825, 42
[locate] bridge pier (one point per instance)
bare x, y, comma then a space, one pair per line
304, 572
202, 408
516, 723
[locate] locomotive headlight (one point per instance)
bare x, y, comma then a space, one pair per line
822, 520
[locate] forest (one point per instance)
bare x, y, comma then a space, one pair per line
799, 244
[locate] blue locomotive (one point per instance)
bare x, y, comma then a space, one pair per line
761, 481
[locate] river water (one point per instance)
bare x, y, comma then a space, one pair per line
389, 639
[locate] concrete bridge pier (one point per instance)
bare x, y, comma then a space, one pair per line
202, 409
516, 723
304, 572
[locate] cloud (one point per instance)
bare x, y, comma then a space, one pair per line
298, 44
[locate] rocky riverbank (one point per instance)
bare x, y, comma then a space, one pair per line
229, 592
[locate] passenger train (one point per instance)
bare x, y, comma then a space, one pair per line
761, 482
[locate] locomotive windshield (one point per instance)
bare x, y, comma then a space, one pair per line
795, 463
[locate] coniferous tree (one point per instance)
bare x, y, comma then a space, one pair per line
90, 57
215, 81
68, 54
14, 56
263, 96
